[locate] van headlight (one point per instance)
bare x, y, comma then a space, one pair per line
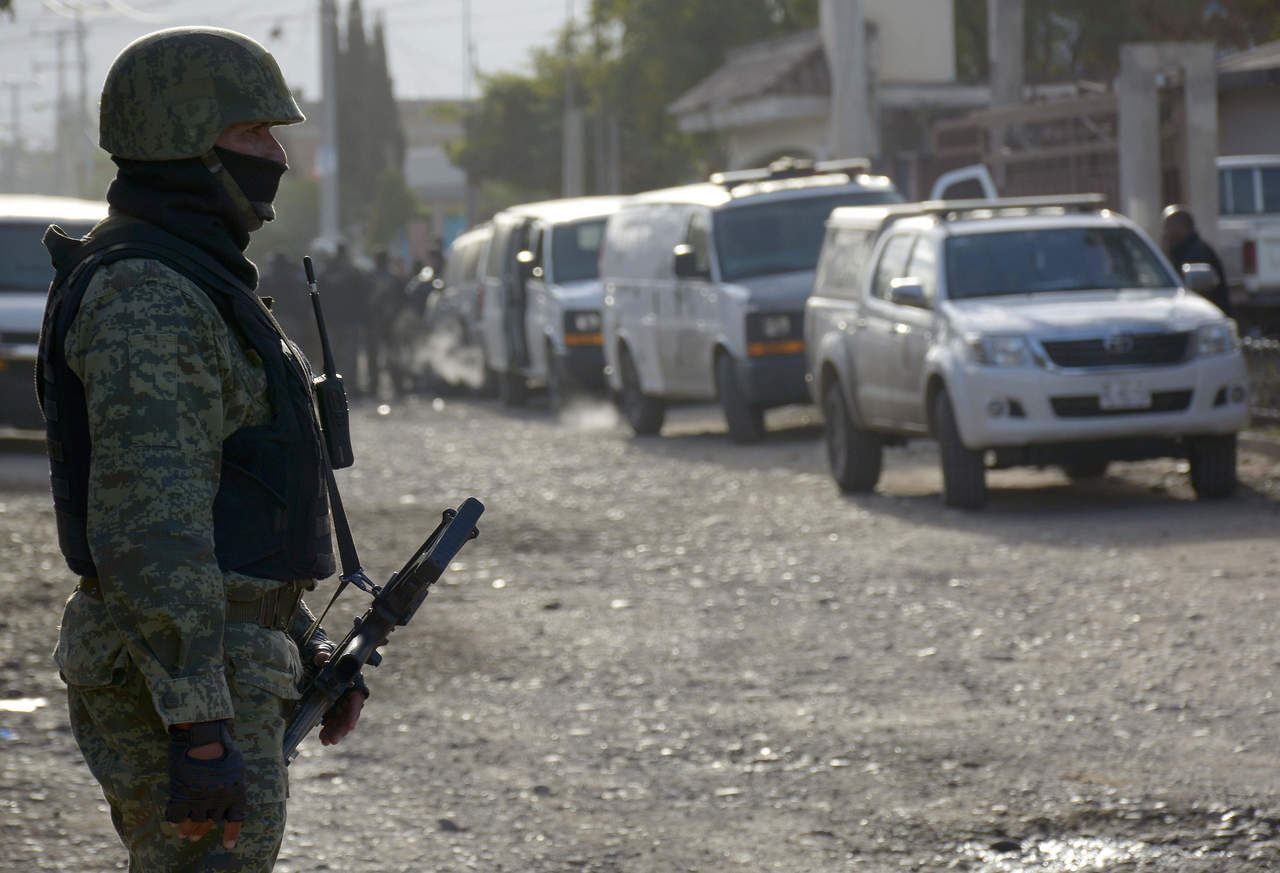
582, 321
999, 351
1218, 338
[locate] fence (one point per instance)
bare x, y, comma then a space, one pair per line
1263, 358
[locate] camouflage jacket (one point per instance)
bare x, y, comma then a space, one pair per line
166, 381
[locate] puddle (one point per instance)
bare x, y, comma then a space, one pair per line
23, 704
1083, 854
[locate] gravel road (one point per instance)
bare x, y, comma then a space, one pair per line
678, 654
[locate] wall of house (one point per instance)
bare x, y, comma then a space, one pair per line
1249, 121
915, 40
755, 146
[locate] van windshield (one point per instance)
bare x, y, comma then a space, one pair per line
24, 262
1051, 259
782, 236
575, 251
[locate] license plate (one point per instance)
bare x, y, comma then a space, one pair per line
1124, 394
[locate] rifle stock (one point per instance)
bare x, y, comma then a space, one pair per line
393, 606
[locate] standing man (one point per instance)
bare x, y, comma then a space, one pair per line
187, 465
1184, 246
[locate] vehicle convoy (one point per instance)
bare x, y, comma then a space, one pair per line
1249, 235
540, 301
1030, 331
452, 317
25, 273
705, 287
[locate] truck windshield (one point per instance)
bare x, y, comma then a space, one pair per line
783, 236
1051, 259
24, 263
575, 251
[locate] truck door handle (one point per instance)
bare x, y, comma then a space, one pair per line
861, 322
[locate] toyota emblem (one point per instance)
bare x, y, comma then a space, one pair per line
1118, 343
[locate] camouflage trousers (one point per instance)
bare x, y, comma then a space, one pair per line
126, 748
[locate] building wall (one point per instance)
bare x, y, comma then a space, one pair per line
1249, 121
915, 40
756, 145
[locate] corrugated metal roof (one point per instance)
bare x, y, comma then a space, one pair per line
794, 64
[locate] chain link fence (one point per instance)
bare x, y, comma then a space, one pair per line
1263, 358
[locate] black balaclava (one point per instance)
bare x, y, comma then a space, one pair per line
189, 200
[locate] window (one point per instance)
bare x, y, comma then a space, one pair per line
1052, 259
1270, 188
780, 235
497, 250
699, 239
575, 250
924, 267
846, 253
892, 265
24, 263
1240, 193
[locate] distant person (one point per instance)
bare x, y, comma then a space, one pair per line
344, 294
387, 308
1184, 246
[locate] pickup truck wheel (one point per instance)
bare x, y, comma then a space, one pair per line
855, 455
512, 388
964, 473
746, 421
1083, 470
642, 412
1213, 466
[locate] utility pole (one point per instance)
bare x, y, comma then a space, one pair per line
572, 152
327, 158
13, 174
65, 121
84, 136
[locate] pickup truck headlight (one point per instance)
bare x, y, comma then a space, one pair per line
1218, 338
999, 351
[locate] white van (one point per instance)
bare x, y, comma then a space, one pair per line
540, 313
25, 273
705, 288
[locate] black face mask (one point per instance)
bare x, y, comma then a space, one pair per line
258, 178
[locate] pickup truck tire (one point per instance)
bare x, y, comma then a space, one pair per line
964, 473
642, 412
746, 421
855, 455
513, 390
1213, 466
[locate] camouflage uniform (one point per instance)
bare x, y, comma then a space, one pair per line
152, 642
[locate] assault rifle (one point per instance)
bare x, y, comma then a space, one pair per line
394, 605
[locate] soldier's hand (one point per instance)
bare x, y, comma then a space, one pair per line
206, 782
341, 718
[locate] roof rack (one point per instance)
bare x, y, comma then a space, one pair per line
790, 168
949, 210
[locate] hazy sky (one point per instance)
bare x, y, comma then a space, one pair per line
424, 41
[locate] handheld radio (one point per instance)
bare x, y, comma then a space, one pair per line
331, 397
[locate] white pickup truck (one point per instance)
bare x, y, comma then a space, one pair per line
1249, 226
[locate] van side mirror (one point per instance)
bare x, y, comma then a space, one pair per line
1199, 277
908, 291
686, 263
527, 265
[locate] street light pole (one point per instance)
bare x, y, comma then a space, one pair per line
327, 158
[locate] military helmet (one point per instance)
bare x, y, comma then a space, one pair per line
170, 94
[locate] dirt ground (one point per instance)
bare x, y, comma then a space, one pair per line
677, 654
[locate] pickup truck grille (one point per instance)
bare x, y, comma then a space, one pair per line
1088, 406
1119, 350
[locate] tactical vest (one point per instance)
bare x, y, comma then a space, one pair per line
271, 511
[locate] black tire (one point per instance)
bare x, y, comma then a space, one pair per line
644, 413
964, 472
560, 387
512, 388
1083, 471
855, 455
1213, 466
746, 421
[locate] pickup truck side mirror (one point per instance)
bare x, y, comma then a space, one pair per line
908, 291
686, 263
527, 264
1199, 277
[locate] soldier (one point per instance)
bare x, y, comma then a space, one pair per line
187, 464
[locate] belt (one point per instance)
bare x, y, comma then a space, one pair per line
273, 610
